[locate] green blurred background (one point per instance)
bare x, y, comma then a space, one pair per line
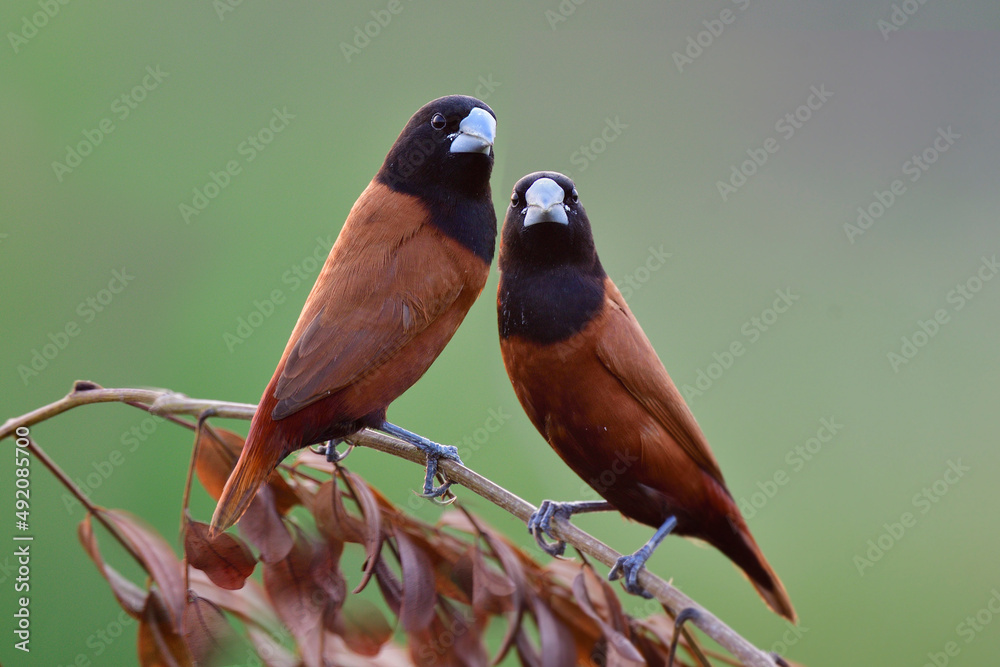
556, 85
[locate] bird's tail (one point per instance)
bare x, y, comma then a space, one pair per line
263, 450
736, 542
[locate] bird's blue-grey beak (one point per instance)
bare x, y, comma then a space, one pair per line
475, 133
545, 203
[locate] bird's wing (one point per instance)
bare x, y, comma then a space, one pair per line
375, 296
625, 350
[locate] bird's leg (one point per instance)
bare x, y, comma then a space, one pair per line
540, 521
629, 566
432, 450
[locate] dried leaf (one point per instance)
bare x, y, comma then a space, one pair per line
363, 627
263, 527
328, 578
558, 646
226, 559
332, 519
419, 595
297, 601
158, 560
249, 603
388, 584
131, 598
207, 633
491, 590
270, 651
616, 640
373, 527
160, 645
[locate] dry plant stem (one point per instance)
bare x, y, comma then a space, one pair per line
163, 402
84, 500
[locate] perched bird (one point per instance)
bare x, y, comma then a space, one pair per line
593, 386
412, 257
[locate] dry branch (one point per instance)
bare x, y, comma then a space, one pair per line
164, 402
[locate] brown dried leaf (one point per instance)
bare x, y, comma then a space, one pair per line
419, 595
616, 640
373, 527
329, 580
295, 598
270, 651
363, 627
249, 603
388, 584
332, 519
207, 633
131, 598
227, 560
263, 527
158, 560
491, 590
160, 645
558, 645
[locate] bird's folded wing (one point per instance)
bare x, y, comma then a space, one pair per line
376, 299
625, 350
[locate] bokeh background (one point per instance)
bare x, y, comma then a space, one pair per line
601, 92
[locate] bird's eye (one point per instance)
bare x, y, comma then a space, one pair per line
438, 121
514, 199
574, 196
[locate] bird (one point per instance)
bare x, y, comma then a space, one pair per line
412, 257
592, 384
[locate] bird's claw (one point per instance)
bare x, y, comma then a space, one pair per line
540, 523
434, 454
329, 450
629, 568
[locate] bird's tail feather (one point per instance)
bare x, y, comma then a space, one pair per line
738, 544
262, 451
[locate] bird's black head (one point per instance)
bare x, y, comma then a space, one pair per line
551, 280
444, 157
546, 225
446, 145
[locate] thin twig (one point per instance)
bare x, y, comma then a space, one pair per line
164, 402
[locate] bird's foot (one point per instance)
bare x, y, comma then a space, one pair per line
629, 566
540, 522
329, 450
433, 451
